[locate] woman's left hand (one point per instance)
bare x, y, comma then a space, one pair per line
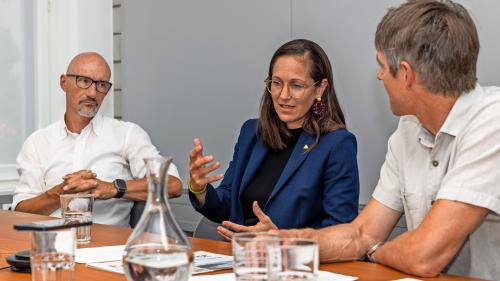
265, 224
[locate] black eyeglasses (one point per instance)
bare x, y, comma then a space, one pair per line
85, 82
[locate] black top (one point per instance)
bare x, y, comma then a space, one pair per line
261, 186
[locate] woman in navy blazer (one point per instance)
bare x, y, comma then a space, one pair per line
295, 166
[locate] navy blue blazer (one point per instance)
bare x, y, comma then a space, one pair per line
317, 188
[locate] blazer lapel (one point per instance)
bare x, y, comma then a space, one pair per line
257, 156
299, 154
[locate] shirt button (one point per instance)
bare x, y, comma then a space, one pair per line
435, 163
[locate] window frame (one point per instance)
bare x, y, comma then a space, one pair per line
58, 32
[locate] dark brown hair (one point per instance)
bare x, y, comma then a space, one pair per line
271, 130
437, 38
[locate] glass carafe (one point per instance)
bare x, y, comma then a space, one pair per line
157, 249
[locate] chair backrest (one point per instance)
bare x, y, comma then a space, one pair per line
136, 212
207, 229
7, 207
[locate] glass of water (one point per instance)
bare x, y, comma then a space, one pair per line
293, 259
52, 255
250, 256
78, 207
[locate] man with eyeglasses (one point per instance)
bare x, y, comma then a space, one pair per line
87, 152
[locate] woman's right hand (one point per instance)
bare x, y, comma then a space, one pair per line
199, 168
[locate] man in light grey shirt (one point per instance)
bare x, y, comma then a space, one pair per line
441, 167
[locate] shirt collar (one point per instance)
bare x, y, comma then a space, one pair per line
456, 120
458, 115
426, 138
95, 124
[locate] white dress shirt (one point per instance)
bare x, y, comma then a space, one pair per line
460, 163
111, 148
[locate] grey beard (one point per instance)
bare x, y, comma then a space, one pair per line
88, 113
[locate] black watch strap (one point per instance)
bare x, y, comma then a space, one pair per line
121, 186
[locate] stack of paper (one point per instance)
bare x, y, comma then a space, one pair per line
99, 254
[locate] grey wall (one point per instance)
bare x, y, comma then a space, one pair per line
345, 29
195, 68
485, 14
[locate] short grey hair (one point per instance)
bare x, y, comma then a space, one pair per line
437, 38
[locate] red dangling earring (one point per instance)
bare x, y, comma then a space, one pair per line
318, 108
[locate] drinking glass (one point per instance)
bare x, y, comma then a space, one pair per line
249, 253
78, 207
52, 255
293, 259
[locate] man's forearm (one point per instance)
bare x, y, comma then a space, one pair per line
174, 187
342, 242
43, 204
397, 253
138, 189
428, 249
336, 243
408, 253
351, 241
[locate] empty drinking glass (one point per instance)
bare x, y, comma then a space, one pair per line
293, 259
250, 256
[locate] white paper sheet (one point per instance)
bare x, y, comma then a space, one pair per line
99, 254
322, 276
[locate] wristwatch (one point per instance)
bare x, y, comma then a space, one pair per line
121, 186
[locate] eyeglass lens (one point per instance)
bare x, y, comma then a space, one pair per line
295, 89
85, 82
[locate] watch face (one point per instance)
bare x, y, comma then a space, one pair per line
121, 186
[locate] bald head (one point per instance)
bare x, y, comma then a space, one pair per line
84, 60
84, 100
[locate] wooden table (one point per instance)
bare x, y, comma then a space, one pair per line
12, 241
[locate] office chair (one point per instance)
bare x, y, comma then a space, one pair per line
136, 212
207, 229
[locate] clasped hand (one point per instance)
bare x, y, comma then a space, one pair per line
265, 224
86, 181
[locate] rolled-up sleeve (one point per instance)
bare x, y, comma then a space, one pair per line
137, 147
474, 178
388, 189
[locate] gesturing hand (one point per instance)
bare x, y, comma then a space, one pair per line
200, 166
265, 224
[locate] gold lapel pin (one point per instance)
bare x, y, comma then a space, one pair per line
306, 147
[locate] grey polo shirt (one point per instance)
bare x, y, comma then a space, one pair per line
461, 163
